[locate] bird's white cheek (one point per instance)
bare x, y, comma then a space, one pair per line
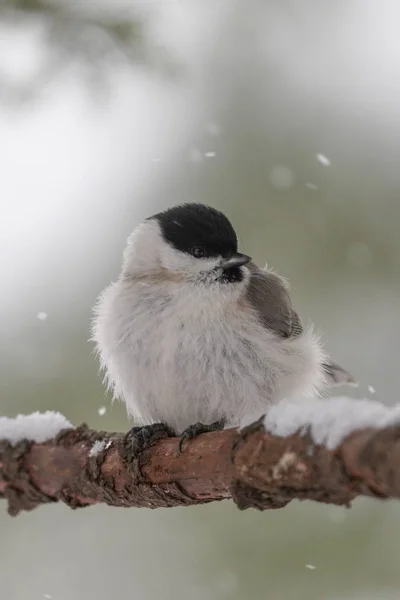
171, 260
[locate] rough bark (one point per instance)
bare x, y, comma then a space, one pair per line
253, 468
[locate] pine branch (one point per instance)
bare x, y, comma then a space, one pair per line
82, 467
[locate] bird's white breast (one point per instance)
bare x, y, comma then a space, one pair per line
180, 359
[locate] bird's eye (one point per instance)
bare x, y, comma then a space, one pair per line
198, 252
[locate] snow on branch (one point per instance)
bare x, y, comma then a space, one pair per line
324, 450
37, 427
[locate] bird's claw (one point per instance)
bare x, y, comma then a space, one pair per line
139, 438
196, 429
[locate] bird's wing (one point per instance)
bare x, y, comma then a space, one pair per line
269, 295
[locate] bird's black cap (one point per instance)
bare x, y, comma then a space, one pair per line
189, 225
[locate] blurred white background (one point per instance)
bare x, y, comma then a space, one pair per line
286, 116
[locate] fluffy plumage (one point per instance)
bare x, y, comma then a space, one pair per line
185, 339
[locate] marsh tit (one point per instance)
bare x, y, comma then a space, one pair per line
193, 336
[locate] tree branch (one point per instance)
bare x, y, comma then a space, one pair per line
256, 469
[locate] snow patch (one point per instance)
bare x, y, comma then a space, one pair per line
37, 427
329, 421
97, 447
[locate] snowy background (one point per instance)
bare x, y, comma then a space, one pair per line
285, 115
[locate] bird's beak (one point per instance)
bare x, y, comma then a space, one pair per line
236, 260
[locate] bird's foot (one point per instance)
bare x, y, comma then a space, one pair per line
194, 430
139, 438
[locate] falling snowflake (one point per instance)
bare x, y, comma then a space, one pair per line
102, 411
324, 160
42, 316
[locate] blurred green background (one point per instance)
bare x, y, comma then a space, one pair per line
285, 115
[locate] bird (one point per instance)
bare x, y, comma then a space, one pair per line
193, 336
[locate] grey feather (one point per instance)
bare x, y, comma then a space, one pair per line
269, 296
